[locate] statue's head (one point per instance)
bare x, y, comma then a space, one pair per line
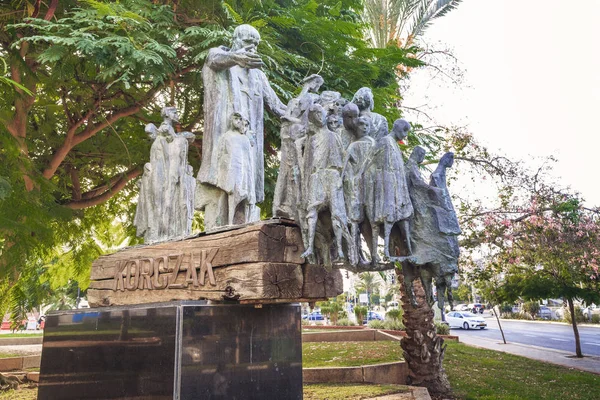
313, 82
329, 96
239, 123
447, 159
363, 98
350, 114
363, 127
316, 115
400, 129
333, 122
340, 103
170, 113
418, 155
245, 35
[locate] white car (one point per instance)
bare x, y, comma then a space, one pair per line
465, 320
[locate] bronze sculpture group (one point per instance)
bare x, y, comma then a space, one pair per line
342, 175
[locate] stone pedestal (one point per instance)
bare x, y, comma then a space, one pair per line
177, 350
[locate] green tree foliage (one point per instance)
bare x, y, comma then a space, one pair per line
375, 298
368, 283
85, 76
462, 293
540, 241
332, 309
361, 313
531, 308
394, 314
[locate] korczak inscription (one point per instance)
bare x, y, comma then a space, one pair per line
162, 272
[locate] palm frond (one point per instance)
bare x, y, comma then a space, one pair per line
428, 11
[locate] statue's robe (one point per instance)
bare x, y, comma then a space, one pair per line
236, 174
229, 88
386, 191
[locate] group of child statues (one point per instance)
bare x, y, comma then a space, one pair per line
343, 179
342, 176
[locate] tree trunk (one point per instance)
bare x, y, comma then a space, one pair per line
423, 349
575, 329
499, 324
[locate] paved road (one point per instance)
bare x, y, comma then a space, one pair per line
542, 334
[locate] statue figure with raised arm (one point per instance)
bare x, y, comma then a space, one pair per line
233, 83
166, 197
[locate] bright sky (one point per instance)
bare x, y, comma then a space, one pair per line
531, 84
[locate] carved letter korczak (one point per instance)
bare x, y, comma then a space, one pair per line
148, 273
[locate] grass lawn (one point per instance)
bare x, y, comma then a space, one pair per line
348, 391
14, 335
21, 394
311, 392
474, 374
349, 354
8, 355
485, 374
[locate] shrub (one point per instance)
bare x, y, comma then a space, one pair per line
305, 322
376, 324
578, 315
393, 324
360, 312
531, 308
506, 308
442, 329
595, 318
512, 315
394, 314
342, 315
345, 322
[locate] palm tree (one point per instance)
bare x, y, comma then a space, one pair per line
368, 283
423, 349
401, 21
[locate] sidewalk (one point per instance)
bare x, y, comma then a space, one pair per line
552, 322
559, 357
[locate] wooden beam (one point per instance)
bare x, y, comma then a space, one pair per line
257, 263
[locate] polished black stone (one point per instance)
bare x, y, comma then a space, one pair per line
177, 350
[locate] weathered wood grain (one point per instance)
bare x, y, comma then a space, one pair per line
243, 281
321, 283
257, 263
263, 242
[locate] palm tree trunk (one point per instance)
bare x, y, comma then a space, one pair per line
575, 329
423, 349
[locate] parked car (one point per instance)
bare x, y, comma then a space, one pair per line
314, 316
462, 307
544, 313
371, 315
476, 308
465, 320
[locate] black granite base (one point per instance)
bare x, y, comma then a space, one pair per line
179, 350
